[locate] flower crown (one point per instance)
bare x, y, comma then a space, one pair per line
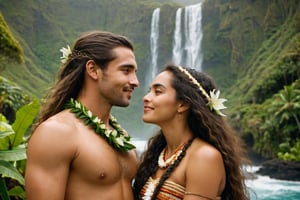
214, 103
66, 53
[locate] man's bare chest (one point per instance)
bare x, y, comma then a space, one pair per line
97, 161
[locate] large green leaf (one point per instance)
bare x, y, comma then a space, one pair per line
17, 191
8, 170
13, 155
25, 117
5, 129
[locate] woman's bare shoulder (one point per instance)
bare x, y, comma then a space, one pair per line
205, 170
205, 153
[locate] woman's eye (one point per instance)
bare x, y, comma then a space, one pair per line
126, 70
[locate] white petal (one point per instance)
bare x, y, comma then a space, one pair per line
120, 141
90, 114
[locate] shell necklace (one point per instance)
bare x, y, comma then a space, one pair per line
163, 163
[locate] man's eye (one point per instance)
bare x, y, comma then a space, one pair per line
157, 92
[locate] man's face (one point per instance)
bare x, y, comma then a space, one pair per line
119, 78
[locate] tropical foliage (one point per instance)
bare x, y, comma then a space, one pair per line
274, 125
287, 152
12, 140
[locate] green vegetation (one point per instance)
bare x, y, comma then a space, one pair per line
286, 152
274, 122
17, 113
10, 49
252, 50
13, 151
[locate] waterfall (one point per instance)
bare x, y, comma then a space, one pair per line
154, 39
177, 42
193, 35
187, 43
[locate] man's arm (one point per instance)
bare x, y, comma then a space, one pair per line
50, 151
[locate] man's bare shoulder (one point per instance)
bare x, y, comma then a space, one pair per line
59, 131
63, 123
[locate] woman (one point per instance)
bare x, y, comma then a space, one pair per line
196, 154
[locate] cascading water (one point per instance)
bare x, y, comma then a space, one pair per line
177, 41
154, 39
187, 44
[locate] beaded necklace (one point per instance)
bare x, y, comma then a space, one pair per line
163, 163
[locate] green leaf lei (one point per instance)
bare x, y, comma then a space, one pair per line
116, 138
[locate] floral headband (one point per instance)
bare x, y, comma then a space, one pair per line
214, 103
66, 53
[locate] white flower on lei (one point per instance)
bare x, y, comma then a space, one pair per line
215, 103
114, 133
120, 140
77, 105
66, 52
89, 114
97, 120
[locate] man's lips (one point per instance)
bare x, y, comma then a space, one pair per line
129, 91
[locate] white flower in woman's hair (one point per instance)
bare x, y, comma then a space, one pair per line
66, 52
215, 103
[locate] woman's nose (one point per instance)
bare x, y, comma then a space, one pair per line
146, 97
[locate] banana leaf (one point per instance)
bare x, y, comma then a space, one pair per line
24, 119
13, 155
8, 170
17, 191
5, 129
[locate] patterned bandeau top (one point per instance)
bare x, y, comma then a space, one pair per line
169, 190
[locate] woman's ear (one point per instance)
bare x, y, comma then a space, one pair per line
182, 107
92, 69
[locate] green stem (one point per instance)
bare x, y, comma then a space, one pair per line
3, 189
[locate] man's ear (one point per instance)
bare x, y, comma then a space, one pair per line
92, 69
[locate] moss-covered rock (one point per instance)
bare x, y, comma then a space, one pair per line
10, 49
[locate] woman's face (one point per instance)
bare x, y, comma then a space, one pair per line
160, 104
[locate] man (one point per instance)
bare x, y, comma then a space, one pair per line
77, 151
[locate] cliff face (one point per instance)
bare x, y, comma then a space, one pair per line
238, 32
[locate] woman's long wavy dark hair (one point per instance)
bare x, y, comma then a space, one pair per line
207, 126
93, 45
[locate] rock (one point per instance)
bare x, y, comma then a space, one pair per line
280, 169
